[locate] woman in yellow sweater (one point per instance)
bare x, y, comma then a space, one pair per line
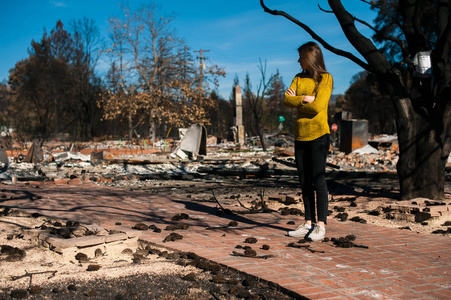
309, 94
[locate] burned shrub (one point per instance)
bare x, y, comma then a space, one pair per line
140, 226
173, 237
342, 216
358, 220
11, 253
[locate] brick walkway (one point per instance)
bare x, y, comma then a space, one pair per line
399, 264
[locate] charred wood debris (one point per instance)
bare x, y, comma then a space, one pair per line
118, 161
131, 164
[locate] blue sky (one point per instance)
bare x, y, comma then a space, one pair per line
237, 33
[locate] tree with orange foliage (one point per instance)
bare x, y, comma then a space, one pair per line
158, 83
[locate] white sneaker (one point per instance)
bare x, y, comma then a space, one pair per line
301, 231
317, 233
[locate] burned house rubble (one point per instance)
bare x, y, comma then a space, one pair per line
228, 185
121, 160
203, 161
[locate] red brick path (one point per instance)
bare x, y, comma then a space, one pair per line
399, 264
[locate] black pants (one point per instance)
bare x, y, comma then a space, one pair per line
311, 164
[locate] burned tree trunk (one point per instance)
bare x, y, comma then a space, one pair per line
261, 135
423, 149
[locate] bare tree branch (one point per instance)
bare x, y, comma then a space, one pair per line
399, 42
443, 21
326, 11
441, 57
217, 201
415, 38
257, 100
376, 60
316, 37
27, 274
370, 3
365, 23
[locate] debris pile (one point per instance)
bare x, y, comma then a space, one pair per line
382, 160
417, 210
69, 238
115, 161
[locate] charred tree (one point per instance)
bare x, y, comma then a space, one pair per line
421, 102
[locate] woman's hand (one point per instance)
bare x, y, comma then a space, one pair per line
290, 92
308, 99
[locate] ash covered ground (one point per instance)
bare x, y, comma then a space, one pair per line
359, 184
